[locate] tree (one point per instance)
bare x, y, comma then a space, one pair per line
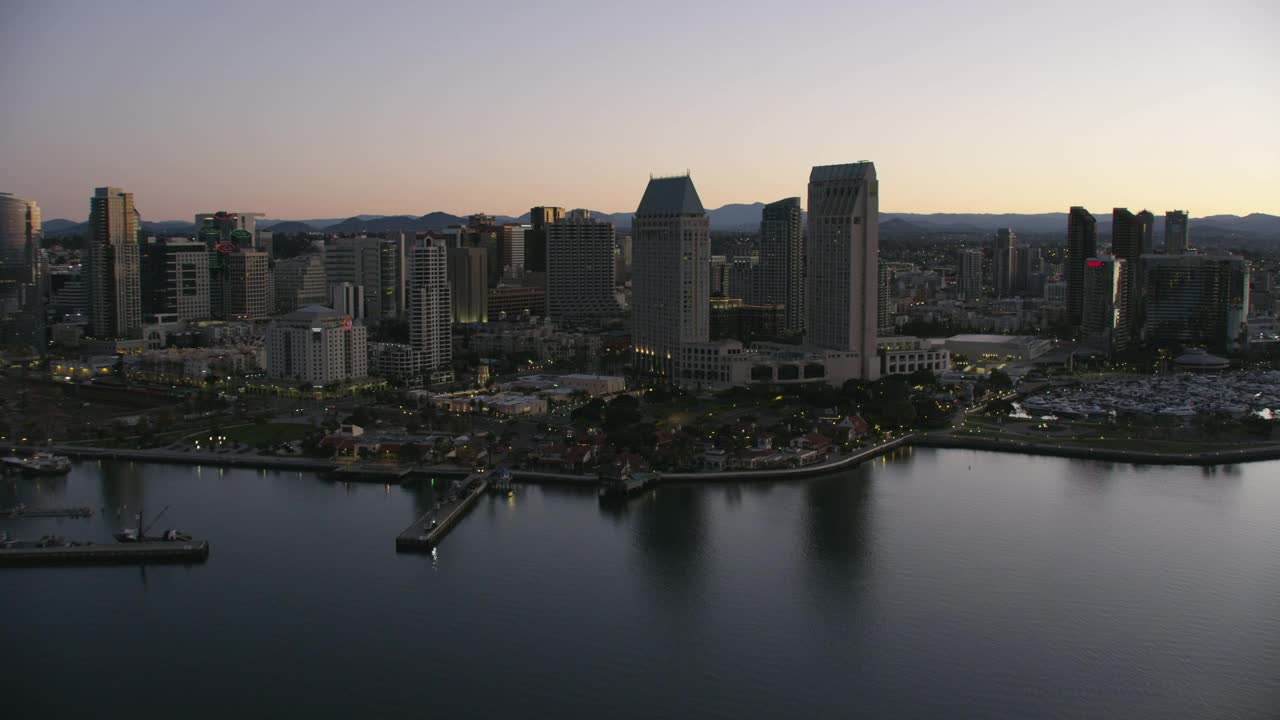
1000, 380
923, 376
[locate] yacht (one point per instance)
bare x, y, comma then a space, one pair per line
41, 463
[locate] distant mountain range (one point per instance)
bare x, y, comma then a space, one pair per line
745, 217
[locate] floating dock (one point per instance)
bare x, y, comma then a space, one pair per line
423, 535
26, 512
196, 551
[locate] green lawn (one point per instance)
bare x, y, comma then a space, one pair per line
264, 436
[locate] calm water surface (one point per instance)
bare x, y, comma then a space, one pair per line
934, 584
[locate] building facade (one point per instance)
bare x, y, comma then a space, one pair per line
23, 285
429, 307
318, 346
1082, 244
1105, 318
469, 281
1177, 236
376, 264
580, 268
248, 290
671, 254
1004, 262
969, 281
782, 249
843, 262
175, 279
300, 281
1195, 300
111, 263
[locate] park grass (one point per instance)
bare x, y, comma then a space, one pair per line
268, 435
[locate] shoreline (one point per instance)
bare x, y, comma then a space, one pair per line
1139, 457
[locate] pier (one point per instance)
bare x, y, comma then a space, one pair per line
22, 511
427, 531
110, 553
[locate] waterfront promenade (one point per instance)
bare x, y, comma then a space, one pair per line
378, 472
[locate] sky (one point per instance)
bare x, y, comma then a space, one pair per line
324, 109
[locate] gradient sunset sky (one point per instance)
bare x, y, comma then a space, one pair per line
319, 109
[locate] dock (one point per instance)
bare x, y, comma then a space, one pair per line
427, 531
111, 553
373, 471
21, 511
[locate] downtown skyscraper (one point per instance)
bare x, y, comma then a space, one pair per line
1176, 235
1131, 238
1004, 262
843, 263
781, 272
671, 255
111, 263
580, 268
1082, 244
21, 277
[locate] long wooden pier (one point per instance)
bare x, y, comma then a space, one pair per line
196, 551
427, 531
22, 511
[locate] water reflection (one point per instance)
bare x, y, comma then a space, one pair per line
836, 514
670, 531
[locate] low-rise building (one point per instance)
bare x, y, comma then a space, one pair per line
905, 354
1007, 348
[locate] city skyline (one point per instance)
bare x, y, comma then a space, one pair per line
978, 122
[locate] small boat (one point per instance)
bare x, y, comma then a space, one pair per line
139, 534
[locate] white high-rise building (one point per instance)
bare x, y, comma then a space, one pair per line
671, 255
580, 268
843, 263
429, 306
316, 345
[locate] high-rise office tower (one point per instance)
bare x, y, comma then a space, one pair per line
719, 274
468, 280
1176, 235
670, 255
1030, 271
580, 268
429, 306
374, 263
300, 281
1004, 262
1105, 316
535, 238
782, 261
970, 277
237, 228
744, 279
1131, 238
347, 299
1195, 299
511, 249
843, 262
1082, 244
248, 290
175, 279
21, 278
112, 263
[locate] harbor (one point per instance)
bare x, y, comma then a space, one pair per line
428, 530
